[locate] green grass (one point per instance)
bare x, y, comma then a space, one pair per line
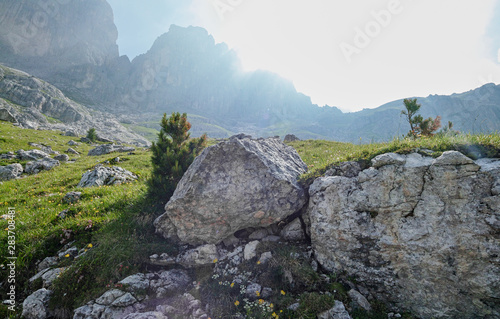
321, 155
117, 222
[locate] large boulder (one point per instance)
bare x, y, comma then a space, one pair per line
31, 155
44, 164
234, 185
11, 171
102, 175
417, 232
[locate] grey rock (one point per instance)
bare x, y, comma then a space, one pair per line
62, 158
136, 282
44, 164
31, 155
259, 234
73, 143
388, 159
250, 250
103, 139
109, 297
169, 282
146, 315
71, 133
346, 169
8, 155
123, 301
290, 138
253, 291
202, 255
359, 299
5, 115
109, 148
237, 184
337, 312
72, 197
265, 257
11, 171
35, 306
47, 263
101, 176
92, 311
72, 151
415, 232
293, 231
294, 307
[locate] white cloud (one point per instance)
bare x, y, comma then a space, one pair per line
428, 46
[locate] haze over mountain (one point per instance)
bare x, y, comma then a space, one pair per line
73, 46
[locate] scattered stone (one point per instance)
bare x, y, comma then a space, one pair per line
250, 250
109, 148
294, 307
236, 184
346, 169
146, 315
44, 164
31, 155
36, 305
136, 282
70, 252
162, 260
168, 282
62, 158
72, 151
73, 143
265, 257
11, 171
293, 231
5, 115
337, 312
47, 263
109, 297
72, 197
48, 276
101, 176
85, 140
202, 255
290, 138
62, 214
359, 300
124, 301
71, 133
253, 291
8, 156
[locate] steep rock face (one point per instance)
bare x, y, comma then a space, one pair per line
234, 185
59, 32
417, 232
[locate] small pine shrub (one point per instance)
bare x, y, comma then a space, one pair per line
173, 153
92, 134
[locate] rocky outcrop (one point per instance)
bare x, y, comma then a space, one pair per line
44, 164
101, 176
418, 232
36, 104
234, 185
11, 171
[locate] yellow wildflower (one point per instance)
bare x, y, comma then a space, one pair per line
283, 292
232, 284
216, 260
67, 255
261, 301
257, 293
89, 245
236, 303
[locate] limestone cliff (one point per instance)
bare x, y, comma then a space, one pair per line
418, 232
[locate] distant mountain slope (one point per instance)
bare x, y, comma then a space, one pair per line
33, 103
186, 71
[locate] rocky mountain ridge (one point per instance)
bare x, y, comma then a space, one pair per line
74, 48
33, 103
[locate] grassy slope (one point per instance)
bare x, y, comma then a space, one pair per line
117, 221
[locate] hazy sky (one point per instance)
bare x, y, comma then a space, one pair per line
349, 54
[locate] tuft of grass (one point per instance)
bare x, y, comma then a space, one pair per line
322, 155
